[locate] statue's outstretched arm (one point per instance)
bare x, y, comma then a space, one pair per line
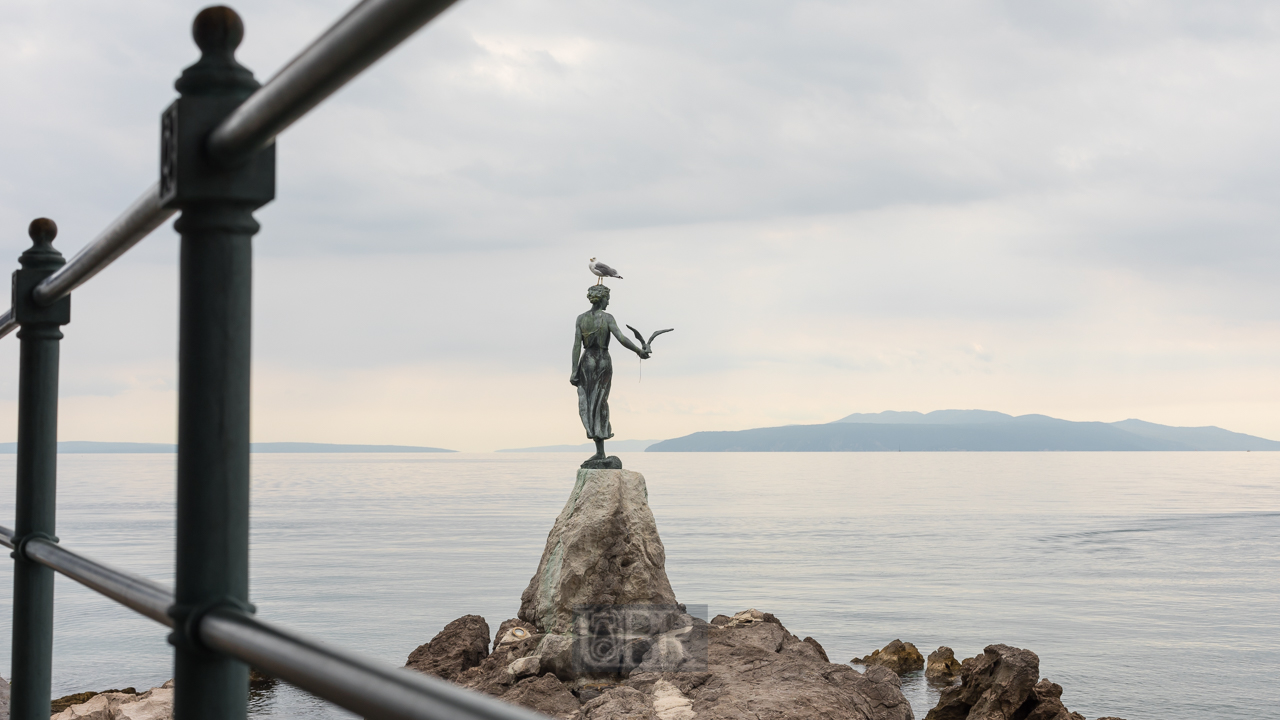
613, 328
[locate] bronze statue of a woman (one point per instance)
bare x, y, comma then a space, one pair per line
593, 372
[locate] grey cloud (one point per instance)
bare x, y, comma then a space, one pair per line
789, 184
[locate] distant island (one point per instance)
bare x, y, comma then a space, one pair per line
964, 430
82, 446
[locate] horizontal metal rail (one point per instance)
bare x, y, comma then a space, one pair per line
137, 222
136, 593
356, 41
366, 687
368, 31
142, 217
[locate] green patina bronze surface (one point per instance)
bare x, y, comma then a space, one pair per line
592, 371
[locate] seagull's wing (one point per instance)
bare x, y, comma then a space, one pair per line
656, 333
638, 335
606, 270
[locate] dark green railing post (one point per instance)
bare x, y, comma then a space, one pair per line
39, 334
217, 229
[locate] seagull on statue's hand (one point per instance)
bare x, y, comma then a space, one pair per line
602, 271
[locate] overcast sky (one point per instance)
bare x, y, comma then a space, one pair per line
1068, 208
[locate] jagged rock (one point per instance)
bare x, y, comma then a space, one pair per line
1048, 703
752, 670
604, 549
993, 686
546, 695
4, 699
1000, 684
555, 655
491, 675
513, 630
747, 617
57, 705
818, 646
942, 666
898, 656
678, 646
759, 670
154, 704
461, 645
523, 667
669, 703
620, 703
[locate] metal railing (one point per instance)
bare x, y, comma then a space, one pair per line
217, 167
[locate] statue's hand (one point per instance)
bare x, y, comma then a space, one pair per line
644, 355
573, 380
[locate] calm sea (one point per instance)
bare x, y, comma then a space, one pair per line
1148, 583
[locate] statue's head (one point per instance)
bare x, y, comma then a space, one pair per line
598, 293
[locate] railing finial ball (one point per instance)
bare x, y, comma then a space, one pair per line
218, 30
42, 231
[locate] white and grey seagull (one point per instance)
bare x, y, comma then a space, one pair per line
602, 271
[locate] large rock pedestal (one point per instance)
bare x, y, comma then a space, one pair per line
601, 636
603, 550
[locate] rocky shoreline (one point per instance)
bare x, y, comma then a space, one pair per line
600, 635
755, 670
601, 591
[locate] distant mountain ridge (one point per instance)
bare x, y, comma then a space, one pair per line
965, 430
937, 417
83, 446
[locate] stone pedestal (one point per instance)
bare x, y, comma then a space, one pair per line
604, 549
601, 636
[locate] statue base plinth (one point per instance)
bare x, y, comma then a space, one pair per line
610, 463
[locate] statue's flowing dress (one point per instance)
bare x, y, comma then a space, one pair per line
595, 375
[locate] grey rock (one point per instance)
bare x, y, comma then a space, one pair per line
491, 675
942, 666
523, 667
546, 695
822, 653
1000, 684
604, 549
898, 656
504, 635
759, 670
754, 670
993, 686
670, 703
461, 645
620, 703
153, 704
4, 699
1048, 703
555, 655
683, 648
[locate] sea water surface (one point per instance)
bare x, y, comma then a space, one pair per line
1148, 583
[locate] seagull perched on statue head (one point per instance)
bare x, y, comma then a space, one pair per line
602, 271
